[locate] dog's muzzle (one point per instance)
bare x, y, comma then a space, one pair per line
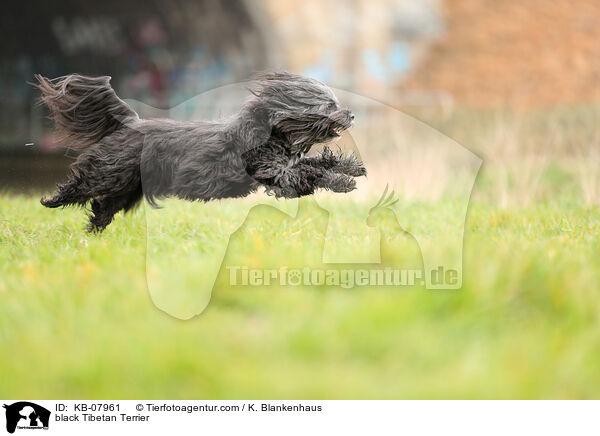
340, 120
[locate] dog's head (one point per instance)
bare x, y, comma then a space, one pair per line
303, 110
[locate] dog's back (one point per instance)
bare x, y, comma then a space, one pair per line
193, 160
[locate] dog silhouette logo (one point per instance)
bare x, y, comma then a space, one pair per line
26, 415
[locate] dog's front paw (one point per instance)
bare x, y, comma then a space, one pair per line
339, 183
355, 170
350, 166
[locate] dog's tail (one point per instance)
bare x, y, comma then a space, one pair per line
84, 109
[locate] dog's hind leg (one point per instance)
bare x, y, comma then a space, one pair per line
105, 208
69, 193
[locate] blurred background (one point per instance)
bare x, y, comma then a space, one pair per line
465, 67
514, 81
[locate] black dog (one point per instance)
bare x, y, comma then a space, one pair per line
124, 157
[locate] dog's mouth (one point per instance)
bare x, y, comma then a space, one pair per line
336, 130
341, 122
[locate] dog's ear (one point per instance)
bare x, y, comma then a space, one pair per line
304, 130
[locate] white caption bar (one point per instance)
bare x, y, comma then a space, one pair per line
293, 417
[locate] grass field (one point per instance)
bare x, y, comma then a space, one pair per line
77, 319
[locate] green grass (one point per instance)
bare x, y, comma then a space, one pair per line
77, 320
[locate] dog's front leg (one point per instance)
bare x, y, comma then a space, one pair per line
292, 181
303, 179
337, 163
337, 182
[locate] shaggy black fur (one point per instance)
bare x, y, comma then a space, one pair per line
124, 157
